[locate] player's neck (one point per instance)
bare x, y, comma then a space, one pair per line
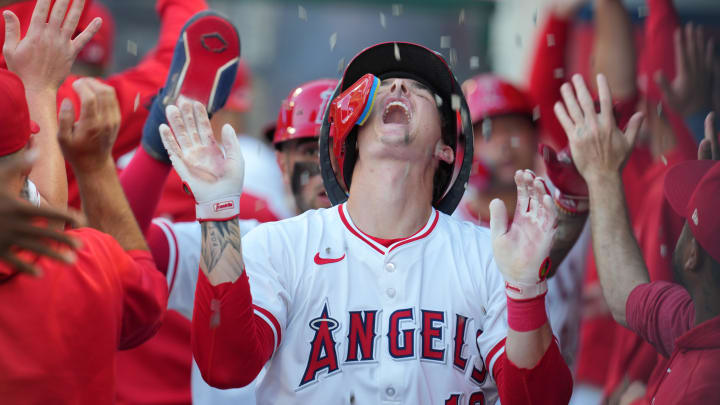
390, 198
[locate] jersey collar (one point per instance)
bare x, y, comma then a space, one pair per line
422, 233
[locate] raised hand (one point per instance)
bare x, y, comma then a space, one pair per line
522, 248
214, 173
598, 147
44, 57
22, 228
87, 143
691, 89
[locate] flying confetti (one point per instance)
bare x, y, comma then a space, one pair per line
132, 48
444, 41
333, 41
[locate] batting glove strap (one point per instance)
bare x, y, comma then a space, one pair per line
221, 209
519, 290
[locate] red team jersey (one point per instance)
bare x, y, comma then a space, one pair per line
78, 315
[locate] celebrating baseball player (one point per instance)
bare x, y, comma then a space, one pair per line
382, 297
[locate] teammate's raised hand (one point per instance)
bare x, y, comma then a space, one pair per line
598, 147
44, 57
214, 173
522, 248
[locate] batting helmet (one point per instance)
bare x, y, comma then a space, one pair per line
302, 111
489, 96
352, 104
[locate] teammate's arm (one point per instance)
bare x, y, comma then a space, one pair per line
614, 48
532, 359
86, 145
600, 151
42, 59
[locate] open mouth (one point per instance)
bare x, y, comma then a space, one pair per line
396, 112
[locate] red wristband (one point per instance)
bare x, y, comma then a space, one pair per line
526, 315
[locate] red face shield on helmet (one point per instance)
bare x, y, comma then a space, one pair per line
352, 107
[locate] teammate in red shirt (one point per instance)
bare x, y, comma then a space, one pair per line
682, 324
76, 316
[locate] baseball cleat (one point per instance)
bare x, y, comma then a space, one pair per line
203, 68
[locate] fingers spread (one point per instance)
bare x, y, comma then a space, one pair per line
177, 123
523, 195
84, 37
606, 106
231, 145
571, 103
168, 139
562, 116
583, 95
498, 218
58, 13
12, 31
73, 16
203, 123
188, 115
710, 135
39, 15
633, 128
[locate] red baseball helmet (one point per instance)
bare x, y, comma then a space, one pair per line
488, 96
301, 113
353, 100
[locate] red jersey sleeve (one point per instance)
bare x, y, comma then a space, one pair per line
231, 344
660, 312
548, 383
547, 75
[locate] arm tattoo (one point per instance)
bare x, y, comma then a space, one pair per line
217, 237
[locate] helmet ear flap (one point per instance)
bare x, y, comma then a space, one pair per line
352, 107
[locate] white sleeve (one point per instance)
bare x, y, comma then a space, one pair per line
493, 323
185, 241
269, 266
491, 341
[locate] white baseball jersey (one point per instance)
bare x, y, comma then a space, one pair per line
422, 321
184, 246
564, 296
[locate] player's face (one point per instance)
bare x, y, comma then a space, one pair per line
299, 163
405, 123
510, 147
681, 255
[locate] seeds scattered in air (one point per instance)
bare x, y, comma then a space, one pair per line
397, 52
302, 13
333, 40
474, 62
341, 65
132, 47
559, 73
550, 38
397, 9
444, 41
137, 102
536, 113
664, 160
453, 57
438, 101
642, 11
383, 23
461, 17
486, 128
455, 102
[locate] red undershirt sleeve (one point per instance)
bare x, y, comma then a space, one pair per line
230, 343
143, 181
548, 383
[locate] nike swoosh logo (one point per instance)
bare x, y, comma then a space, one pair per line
321, 260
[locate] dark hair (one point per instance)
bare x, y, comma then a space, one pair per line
443, 174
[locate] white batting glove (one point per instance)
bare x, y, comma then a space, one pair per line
522, 251
212, 173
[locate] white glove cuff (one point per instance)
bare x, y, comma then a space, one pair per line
220, 209
519, 290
